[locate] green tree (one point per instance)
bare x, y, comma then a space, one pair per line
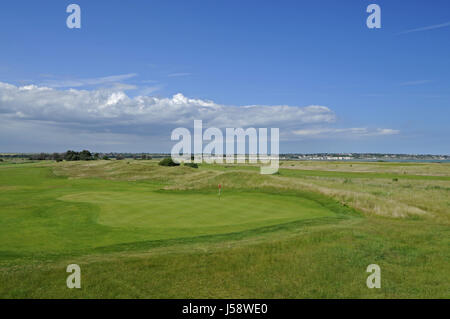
71, 156
85, 155
57, 157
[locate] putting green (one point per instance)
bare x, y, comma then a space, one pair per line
197, 213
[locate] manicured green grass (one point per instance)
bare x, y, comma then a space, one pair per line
45, 214
143, 231
178, 214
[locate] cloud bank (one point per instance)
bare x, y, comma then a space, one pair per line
111, 117
112, 107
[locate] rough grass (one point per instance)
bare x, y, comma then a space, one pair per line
405, 230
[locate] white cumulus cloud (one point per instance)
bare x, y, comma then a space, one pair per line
112, 107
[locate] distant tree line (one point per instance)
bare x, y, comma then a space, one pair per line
84, 155
70, 155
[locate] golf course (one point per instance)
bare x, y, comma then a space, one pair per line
141, 230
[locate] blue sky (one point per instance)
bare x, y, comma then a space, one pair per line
383, 90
